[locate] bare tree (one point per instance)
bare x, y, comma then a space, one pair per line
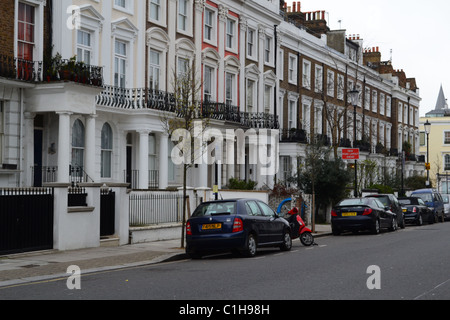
185, 123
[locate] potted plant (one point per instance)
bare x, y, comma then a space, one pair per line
67, 69
52, 66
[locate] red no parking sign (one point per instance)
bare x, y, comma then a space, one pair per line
350, 154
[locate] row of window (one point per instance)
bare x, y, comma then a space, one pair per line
107, 138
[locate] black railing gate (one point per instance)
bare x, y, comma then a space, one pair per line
26, 220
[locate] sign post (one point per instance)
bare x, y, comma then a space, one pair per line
352, 154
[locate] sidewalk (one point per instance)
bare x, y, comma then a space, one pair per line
47, 265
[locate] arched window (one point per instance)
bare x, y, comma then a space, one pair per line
78, 138
107, 148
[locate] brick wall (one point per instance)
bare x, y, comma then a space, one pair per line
7, 28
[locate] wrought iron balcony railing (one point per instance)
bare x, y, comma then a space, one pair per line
38, 71
142, 98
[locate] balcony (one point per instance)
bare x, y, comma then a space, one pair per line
40, 72
143, 98
294, 135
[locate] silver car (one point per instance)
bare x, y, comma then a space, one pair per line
446, 198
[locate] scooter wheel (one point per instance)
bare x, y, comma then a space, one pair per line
307, 239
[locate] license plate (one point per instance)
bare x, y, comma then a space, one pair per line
350, 214
404, 210
213, 226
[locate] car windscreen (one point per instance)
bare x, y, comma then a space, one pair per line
356, 202
405, 201
427, 197
215, 209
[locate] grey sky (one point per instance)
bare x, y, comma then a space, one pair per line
418, 33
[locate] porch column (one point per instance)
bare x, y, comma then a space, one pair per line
163, 160
143, 159
89, 167
64, 147
29, 149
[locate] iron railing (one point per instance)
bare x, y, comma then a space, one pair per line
38, 71
142, 98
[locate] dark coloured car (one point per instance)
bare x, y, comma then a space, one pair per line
433, 200
362, 214
391, 201
416, 211
240, 225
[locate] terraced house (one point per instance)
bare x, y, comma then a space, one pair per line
84, 85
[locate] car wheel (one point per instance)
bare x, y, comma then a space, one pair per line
336, 231
287, 242
394, 224
419, 221
250, 249
307, 239
376, 227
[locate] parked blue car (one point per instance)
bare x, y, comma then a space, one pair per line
240, 225
433, 200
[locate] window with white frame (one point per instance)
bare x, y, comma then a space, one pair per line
411, 116
230, 88
374, 101
360, 90
124, 5
388, 106
84, 46
268, 52
446, 137
318, 79
388, 137
382, 104
268, 98
400, 112
120, 3
306, 77
26, 32
340, 87
120, 64
292, 114
405, 114
318, 120
306, 115
157, 12
78, 143
231, 38
447, 162
209, 83
183, 15
281, 65
367, 99
330, 83
285, 168
154, 70
210, 26
251, 44
292, 72
182, 66
106, 151
251, 95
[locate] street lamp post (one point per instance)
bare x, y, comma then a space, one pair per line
427, 131
354, 96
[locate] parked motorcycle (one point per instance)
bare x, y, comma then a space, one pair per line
299, 229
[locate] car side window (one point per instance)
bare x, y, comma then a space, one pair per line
420, 201
252, 208
267, 211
